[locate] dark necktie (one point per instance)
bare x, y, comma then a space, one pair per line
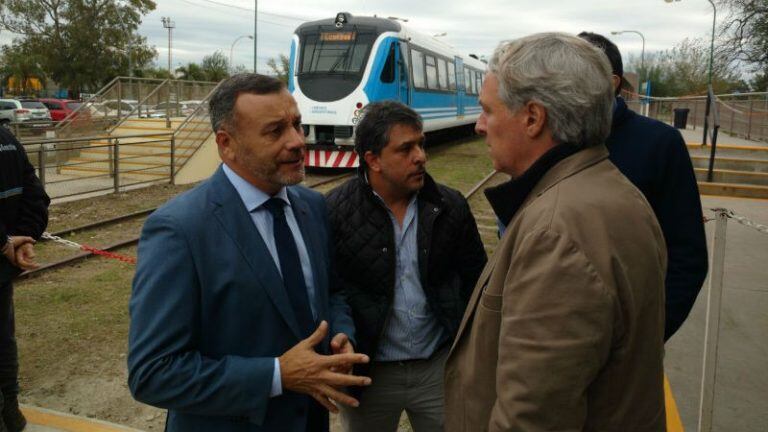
290, 266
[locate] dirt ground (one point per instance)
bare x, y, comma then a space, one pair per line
72, 323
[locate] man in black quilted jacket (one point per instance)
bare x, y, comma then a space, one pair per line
23, 218
408, 254
653, 156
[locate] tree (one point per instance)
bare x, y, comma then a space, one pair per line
153, 72
192, 71
82, 43
21, 64
759, 82
746, 30
280, 70
215, 66
684, 70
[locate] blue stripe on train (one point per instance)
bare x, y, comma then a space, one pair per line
292, 58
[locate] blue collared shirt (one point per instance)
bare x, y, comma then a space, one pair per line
254, 198
411, 330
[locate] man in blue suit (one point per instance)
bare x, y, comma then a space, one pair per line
233, 304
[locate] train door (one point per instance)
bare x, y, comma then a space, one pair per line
403, 86
459, 86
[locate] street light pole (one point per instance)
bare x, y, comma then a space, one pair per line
642, 59
712, 45
170, 25
255, 35
642, 53
231, 51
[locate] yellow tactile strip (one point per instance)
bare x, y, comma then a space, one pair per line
674, 424
68, 422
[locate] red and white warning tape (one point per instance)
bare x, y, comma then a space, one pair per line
91, 249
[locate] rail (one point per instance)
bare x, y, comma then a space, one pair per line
743, 115
715, 114
88, 251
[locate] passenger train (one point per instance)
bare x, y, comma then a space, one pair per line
339, 65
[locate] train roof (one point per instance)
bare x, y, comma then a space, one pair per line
382, 25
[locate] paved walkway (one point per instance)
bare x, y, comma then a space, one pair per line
692, 136
741, 391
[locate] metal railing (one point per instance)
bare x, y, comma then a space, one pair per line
713, 112
128, 97
743, 115
71, 161
194, 131
86, 165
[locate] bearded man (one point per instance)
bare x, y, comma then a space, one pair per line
235, 325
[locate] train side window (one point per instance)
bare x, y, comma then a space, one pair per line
388, 72
451, 76
467, 81
442, 73
432, 73
479, 81
474, 82
417, 61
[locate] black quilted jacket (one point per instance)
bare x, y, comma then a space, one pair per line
451, 255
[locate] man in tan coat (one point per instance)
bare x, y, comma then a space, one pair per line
565, 328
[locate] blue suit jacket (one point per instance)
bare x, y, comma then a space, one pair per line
209, 312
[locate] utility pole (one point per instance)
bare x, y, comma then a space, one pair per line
645, 102
255, 35
170, 25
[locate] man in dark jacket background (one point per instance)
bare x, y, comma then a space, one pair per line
408, 255
653, 156
23, 218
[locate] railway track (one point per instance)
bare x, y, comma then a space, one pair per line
480, 208
482, 211
131, 241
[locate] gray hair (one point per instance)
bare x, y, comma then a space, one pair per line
222, 103
567, 75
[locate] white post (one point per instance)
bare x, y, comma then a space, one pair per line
712, 331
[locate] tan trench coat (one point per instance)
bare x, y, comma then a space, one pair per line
564, 330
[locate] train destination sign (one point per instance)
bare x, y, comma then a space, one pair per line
338, 36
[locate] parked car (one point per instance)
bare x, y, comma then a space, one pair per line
60, 108
125, 105
11, 111
37, 110
181, 108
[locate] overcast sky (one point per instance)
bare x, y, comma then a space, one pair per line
472, 26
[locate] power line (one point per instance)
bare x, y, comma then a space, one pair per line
242, 16
291, 17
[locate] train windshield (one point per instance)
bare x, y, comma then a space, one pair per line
341, 52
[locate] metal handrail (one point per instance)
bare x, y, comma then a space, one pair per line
704, 96
715, 109
199, 108
138, 105
197, 113
84, 105
715, 112
94, 138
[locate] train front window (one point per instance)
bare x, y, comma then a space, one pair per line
342, 52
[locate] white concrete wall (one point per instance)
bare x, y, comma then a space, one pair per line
202, 164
